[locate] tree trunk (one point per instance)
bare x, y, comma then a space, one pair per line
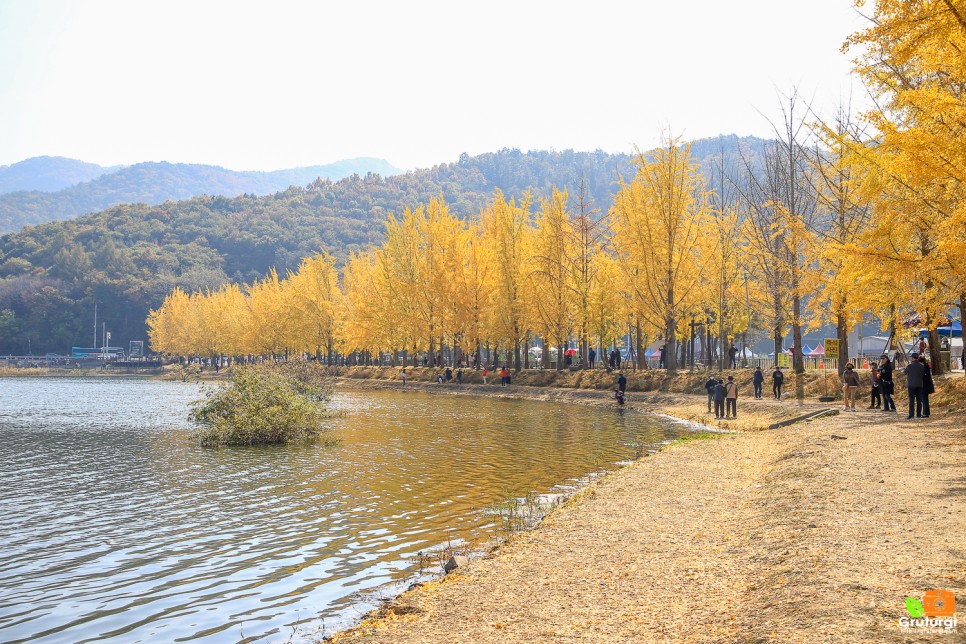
641, 348
843, 335
938, 368
778, 343
798, 359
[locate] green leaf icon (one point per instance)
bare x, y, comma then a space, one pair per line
914, 606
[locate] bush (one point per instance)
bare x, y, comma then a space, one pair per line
264, 406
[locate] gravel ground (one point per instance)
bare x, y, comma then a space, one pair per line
788, 535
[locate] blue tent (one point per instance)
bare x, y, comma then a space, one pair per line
806, 350
955, 330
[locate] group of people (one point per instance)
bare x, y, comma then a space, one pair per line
446, 376
919, 384
723, 395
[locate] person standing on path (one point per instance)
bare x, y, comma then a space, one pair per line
485, 374
503, 377
591, 357
928, 387
709, 387
777, 380
915, 372
733, 356
850, 385
662, 361
757, 380
886, 386
876, 401
622, 383
731, 398
403, 376
459, 376
719, 398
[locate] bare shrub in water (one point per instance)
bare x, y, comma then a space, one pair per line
264, 405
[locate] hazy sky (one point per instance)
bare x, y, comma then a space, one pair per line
278, 84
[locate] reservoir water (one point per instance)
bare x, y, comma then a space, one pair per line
115, 525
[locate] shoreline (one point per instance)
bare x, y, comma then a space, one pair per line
810, 533
684, 408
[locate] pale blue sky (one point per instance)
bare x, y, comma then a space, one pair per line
280, 84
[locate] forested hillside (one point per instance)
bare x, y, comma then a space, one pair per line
129, 257
150, 183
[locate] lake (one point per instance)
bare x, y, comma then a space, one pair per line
115, 525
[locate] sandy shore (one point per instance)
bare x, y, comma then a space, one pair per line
788, 535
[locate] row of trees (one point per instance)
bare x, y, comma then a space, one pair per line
759, 246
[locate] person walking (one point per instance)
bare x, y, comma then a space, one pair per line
733, 356
503, 376
719, 398
886, 386
591, 358
928, 387
876, 400
915, 372
709, 387
850, 385
459, 376
662, 361
403, 376
731, 398
486, 372
758, 380
777, 380
622, 383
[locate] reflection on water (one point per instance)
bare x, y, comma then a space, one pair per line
115, 525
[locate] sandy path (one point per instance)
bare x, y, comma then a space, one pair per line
786, 535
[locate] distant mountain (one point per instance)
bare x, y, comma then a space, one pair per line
155, 183
47, 174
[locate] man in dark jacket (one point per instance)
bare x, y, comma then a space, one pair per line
777, 380
719, 398
915, 373
709, 387
622, 383
757, 379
